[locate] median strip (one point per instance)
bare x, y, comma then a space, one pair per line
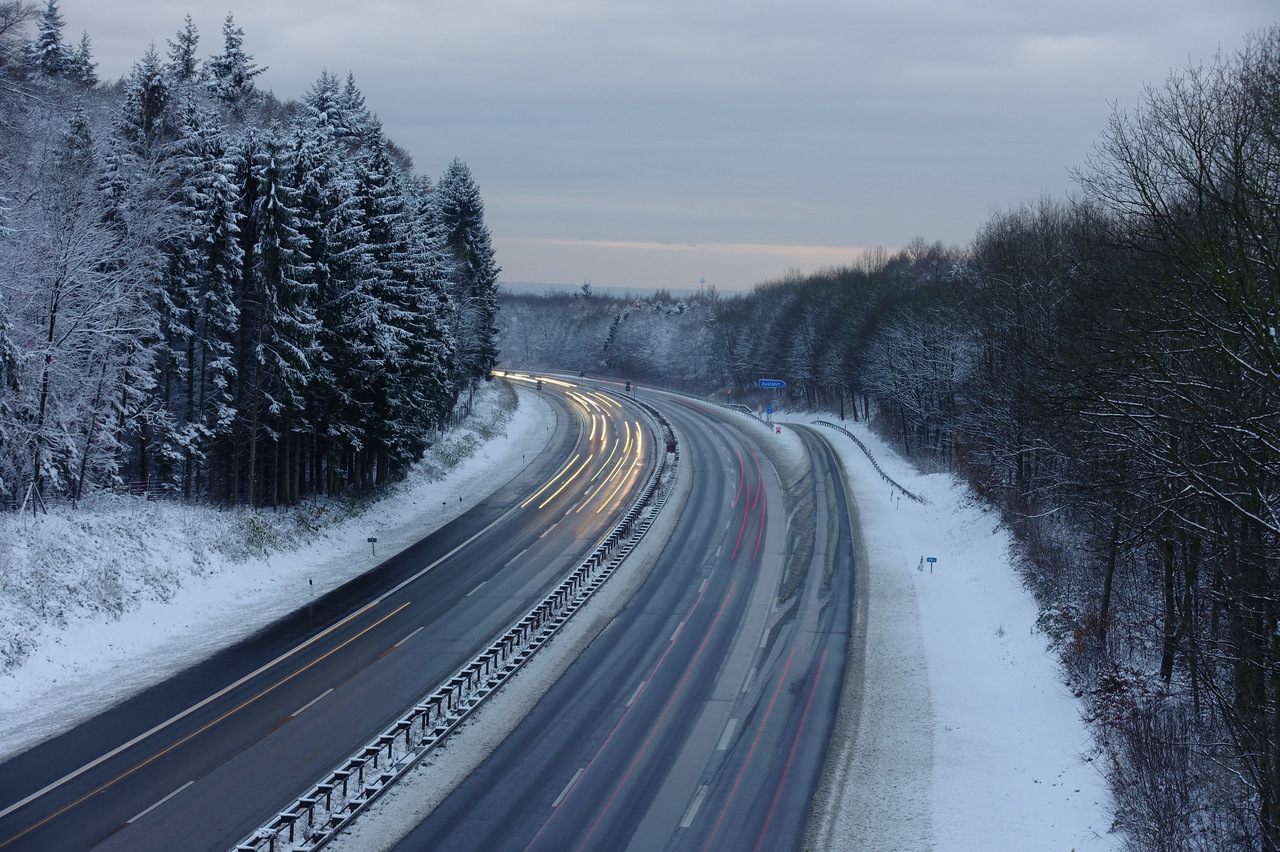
318, 815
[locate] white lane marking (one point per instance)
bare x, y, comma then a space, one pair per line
636, 694
727, 523
703, 587
177, 717
514, 558
568, 787
53, 785
677, 633
751, 676
300, 710
550, 528
693, 807
159, 803
476, 589
718, 549
727, 735
410, 636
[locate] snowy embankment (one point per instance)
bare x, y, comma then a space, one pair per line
961, 733
99, 602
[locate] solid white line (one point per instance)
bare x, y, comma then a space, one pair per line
476, 589
636, 694
410, 636
693, 807
727, 735
159, 803
568, 787
300, 710
193, 708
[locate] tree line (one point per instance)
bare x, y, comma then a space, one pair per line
208, 291
1105, 370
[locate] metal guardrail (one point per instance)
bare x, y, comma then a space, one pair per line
318, 815
874, 463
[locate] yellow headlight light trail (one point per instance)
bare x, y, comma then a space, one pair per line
607, 400
585, 400
627, 448
621, 460
592, 436
634, 468
566, 482
605, 463
578, 409
604, 430
551, 481
557, 382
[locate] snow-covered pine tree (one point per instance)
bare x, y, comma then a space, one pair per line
475, 294
183, 64
48, 54
231, 72
277, 279
146, 118
435, 270
83, 69
410, 346
347, 312
355, 124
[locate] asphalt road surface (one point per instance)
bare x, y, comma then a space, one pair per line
199, 761
699, 718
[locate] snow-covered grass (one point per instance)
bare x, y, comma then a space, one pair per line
100, 601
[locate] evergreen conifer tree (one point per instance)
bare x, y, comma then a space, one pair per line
183, 64
461, 213
48, 54
231, 72
83, 69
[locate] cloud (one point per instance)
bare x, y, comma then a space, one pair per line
617, 263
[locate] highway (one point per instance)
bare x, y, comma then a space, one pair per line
699, 718
201, 760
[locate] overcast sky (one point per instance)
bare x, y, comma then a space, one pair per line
653, 142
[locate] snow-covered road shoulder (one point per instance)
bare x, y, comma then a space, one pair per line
966, 736
87, 660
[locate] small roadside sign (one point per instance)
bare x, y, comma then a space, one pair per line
771, 383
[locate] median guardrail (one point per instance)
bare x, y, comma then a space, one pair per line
314, 818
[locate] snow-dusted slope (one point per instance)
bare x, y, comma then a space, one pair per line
192, 580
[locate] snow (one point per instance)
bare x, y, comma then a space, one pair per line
195, 579
963, 716
956, 729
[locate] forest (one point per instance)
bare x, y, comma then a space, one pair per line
1104, 370
213, 294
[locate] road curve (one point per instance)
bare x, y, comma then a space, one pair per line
699, 718
198, 762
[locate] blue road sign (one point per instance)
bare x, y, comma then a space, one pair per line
771, 383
